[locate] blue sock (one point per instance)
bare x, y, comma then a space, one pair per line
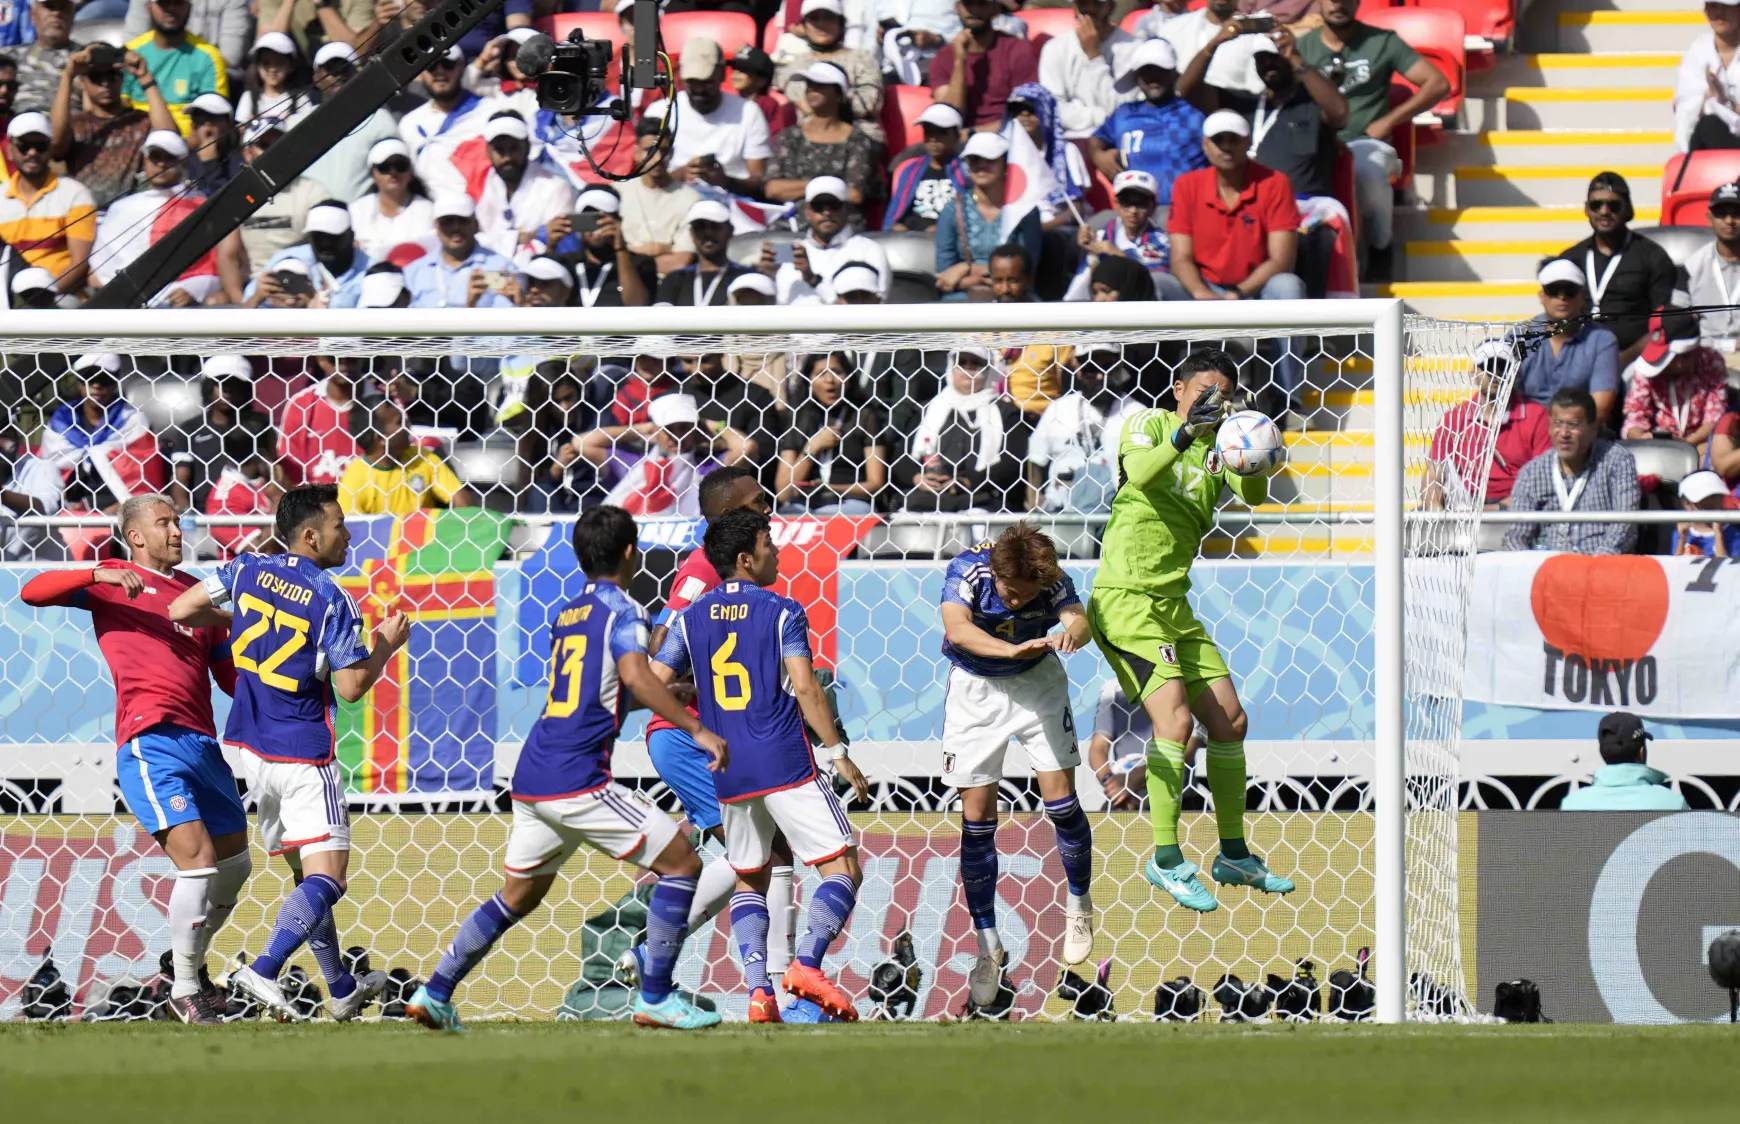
749, 921
979, 870
297, 920
323, 943
830, 906
1075, 842
470, 945
667, 923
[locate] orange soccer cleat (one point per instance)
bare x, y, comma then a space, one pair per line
809, 983
764, 1007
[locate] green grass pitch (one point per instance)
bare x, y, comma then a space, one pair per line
894, 1074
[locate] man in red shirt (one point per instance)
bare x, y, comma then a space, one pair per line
1454, 462
981, 66
314, 441
167, 763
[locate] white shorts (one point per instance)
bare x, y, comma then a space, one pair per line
301, 807
981, 715
809, 814
616, 820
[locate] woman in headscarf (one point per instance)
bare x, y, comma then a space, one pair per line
1033, 108
1118, 278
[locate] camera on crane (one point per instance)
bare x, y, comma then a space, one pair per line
577, 77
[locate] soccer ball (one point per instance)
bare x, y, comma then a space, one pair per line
1250, 444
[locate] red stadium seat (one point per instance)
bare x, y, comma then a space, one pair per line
1435, 33
1492, 20
730, 30
594, 25
1688, 203
900, 109
1047, 23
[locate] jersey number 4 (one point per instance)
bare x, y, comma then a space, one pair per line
567, 660
725, 672
267, 669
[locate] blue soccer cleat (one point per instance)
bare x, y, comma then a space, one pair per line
436, 1014
1181, 882
672, 1013
1249, 872
804, 1011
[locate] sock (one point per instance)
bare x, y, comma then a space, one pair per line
188, 906
323, 943
667, 914
712, 891
830, 907
1165, 790
1075, 842
470, 945
781, 920
297, 919
226, 886
1226, 780
979, 870
749, 926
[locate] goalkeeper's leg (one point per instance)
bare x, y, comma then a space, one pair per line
1168, 707
1217, 705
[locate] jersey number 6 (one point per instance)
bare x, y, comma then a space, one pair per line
725, 670
267, 669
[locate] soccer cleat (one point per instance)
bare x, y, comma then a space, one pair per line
194, 1010
436, 1014
1078, 934
984, 979
809, 983
672, 1013
631, 965
1249, 872
265, 992
368, 985
1181, 882
803, 1011
763, 1007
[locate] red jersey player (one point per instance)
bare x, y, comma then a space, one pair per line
168, 763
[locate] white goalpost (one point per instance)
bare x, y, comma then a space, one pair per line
1340, 605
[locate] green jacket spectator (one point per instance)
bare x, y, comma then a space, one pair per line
184, 70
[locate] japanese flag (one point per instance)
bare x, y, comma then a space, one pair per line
1030, 182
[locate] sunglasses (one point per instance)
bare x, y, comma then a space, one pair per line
826, 203
1611, 206
1563, 291
1725, 212
31, 143
394, 166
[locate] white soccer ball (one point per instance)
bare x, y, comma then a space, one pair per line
1250, 444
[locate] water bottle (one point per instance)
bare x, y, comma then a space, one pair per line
189, 528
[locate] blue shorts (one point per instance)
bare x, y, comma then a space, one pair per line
682, 765
171, 775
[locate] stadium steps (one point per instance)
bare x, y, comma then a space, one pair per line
1597, 32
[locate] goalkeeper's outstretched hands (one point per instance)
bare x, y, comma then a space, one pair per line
1205, 416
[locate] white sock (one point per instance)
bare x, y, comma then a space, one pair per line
226, 886
990, 943
1081, 903
782, 921
712, 891
187, 913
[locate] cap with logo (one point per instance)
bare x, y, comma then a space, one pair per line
1623, 731
1727, 194
1133, 179
702, 59
1673, 331
752, 60
255, 130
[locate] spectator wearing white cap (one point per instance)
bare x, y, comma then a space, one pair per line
1160, 132
33, 287
825, 143
133, 222
311, 23
1133, 233
227, 25
805, 277
395, 217
821, 36
1458, 455
280, 221
972, 224
214, 143
548, 283
1082, 68
334, 266
104, 440
606, 273
857, 283
1238, 251
344, 167
275, 83
1069, 464
721, 139
453, 113
184, 65
464, 274
50, 220
228, 433
1706, 491
1576, 354
708, 280
923, 183
655, 205
519, 197
665, 480
99, 142
912, 32
383, 286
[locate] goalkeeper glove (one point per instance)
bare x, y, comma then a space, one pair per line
1205, 416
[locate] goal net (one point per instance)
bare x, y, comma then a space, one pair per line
892, 439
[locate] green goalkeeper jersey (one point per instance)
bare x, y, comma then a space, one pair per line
1164, 506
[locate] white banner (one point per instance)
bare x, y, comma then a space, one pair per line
1652, 635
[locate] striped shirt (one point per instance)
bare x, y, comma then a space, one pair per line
40, 227
1608, 482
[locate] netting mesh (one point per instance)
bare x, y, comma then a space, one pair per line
929, 452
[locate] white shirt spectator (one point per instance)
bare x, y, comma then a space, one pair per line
1712, 281
1231, 68
377, 234
1065, 440
344, 168
540, 197
826, 259
657, 216
734, 133
127, 230
1084, 86
428, 121
291, 107
41, 483
1122, 723
1692, 98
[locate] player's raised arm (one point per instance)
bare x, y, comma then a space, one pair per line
61, 587
1147, 452
202, 606
353, 682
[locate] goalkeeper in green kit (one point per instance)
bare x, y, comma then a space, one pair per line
1169, 484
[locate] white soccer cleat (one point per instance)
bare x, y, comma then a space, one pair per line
984, 979
368, 986
1078, 934
265, 992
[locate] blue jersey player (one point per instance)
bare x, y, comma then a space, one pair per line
1000, 602
749, 650
297, 641
563, 794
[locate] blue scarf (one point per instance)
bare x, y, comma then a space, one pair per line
1044, 103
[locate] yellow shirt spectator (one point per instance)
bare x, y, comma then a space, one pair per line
419, 478
1037, 377
45, 225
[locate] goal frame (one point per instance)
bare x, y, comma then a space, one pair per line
1382, 319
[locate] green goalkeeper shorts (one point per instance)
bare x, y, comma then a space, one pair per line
1149, 640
